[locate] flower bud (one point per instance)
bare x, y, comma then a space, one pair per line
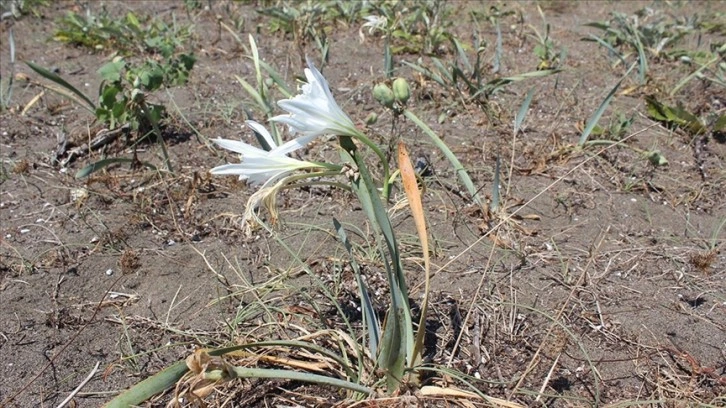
383, 94
401, 90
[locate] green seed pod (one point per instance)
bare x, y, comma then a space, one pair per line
401, 90
383, 94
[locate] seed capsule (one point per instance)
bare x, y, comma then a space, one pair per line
383, 94
401, 91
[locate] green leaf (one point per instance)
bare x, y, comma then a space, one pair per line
656, 110
396, 345
152, 77
387, 58
261, 102
657, 159
496, 85
108, 95
522, 113
112, 71
86, 171
149, 387
673, 115
62, 82
592, 122
720, 124
369, 313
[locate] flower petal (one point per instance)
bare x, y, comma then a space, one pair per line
257, 127
292, 145
263, 169
314, 111
237, 146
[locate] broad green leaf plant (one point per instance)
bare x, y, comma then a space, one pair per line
123, 98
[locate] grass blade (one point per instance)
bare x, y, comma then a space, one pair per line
93, 167
62, 82
497, 50
642, 58
495, 85
369, 313
387, 58
592, 122
5, 98
461, 53
277, 79
247, 372
496, 194
522, 113
518, 121
427, 73
606, 45
255, 95
694, 74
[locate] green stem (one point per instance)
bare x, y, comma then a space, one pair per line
382, 156
159, 136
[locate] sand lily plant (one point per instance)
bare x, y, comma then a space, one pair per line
392, 355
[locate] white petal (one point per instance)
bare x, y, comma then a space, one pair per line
237, 146
292, 145
262, 131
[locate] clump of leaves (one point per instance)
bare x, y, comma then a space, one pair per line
617, 128
678, 117
305, 22
19, 8
125, 35
467, 80
646, 33
125, 88
415, 27
710, 65
123, 96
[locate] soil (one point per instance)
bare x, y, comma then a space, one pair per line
608, 284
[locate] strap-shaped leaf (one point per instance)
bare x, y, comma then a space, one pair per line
410, 186
62, 82
369, 314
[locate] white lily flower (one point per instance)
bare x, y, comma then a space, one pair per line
261, 167
314, 112
375, 23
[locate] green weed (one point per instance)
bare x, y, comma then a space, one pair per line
6, 82
123, 98
415, 27
678, 117
18, 8
127, 35
646, 33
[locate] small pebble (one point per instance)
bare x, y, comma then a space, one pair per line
109, 272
